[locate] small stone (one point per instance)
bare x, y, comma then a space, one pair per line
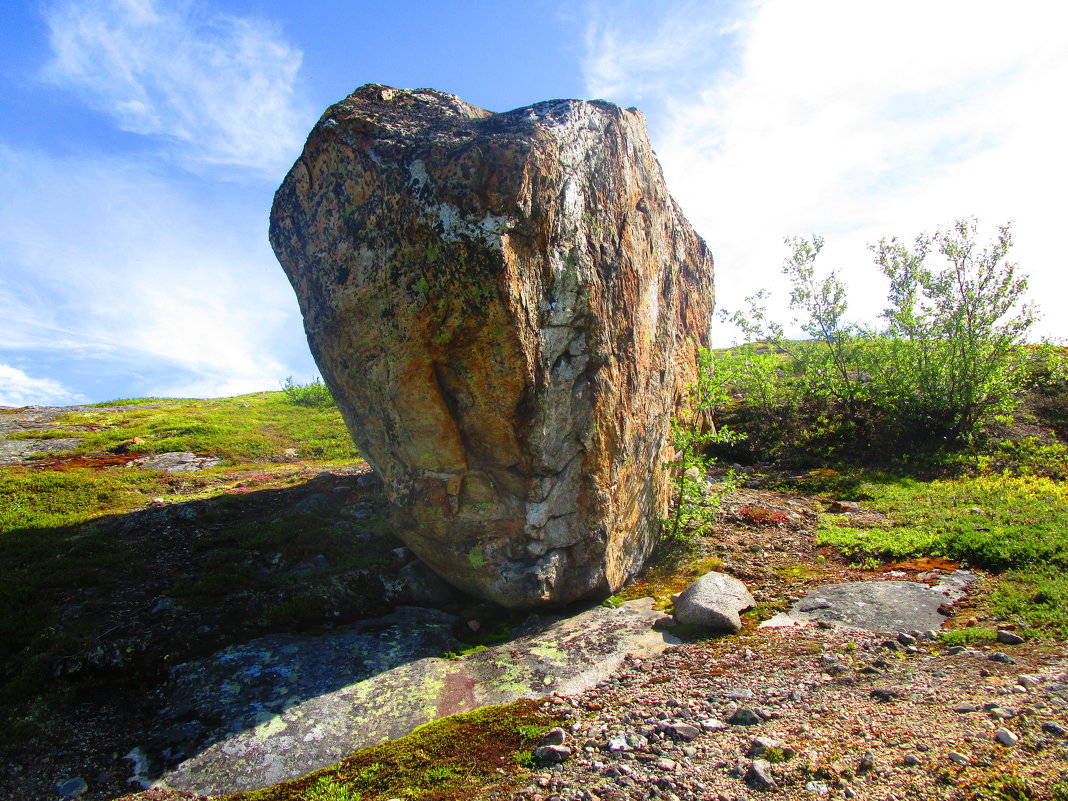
912, 760
760, 745
1054, 728
744, 716
849, 792
1006, 738
555, 736
867, 761
843, 507
72, 788
885, 694
1003, 658
712, 724
552, 754
964, 709
665, 764
953, 650
818, 788
759, 775
1028, 681
681, 731
959, 758
1003, 712
1009, 638
906, 639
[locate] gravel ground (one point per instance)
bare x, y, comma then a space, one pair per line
834, 713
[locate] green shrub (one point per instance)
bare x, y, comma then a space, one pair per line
316, 394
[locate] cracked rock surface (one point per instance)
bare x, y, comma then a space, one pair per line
507, 308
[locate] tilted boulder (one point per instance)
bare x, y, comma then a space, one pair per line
507, 308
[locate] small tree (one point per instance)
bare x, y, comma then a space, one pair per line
692, 432
827, 363
955, 329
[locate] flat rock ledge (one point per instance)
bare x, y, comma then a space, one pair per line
568, 656
882, 606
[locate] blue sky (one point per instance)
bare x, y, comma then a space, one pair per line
141, 142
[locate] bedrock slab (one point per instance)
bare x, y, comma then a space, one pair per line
507, 309
883, 606
565, 655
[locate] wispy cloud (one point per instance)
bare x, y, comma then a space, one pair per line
19, 389
623, 55
105, 261
220, 87
856, 120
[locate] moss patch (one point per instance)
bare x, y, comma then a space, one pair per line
457, 757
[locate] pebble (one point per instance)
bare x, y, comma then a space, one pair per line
759, 775
712, 724
1009, 638
965, 708
1003, 658
556, 736
744, 716
680, 731
1028, 681
552, 753
818, 788
72, 788
1006, 738
1054, 728
906, 639
958, 757
761, 745
913, 760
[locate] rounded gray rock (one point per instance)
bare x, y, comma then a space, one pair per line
714, 602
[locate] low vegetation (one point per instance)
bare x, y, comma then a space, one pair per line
945, 421
459, 757
246, 432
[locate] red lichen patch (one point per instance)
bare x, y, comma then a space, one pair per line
762, 516
91, 461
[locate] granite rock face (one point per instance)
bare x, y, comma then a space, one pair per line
507, 308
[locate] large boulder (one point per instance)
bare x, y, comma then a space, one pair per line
507, 308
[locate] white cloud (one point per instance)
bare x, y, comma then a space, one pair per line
19, 389
858, 120
623, 56
105, 261
221, 87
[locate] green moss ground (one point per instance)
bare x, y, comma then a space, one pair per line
464, 756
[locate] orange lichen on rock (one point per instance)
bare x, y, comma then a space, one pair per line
507, 308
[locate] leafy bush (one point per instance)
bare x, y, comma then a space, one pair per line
315, 395
953, 354
950, 360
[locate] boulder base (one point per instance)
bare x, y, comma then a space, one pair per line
507, 308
